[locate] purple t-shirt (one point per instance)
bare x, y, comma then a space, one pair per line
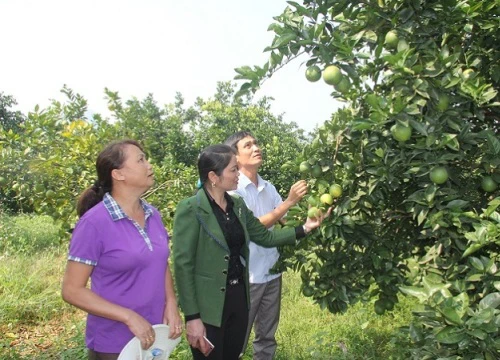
127, 270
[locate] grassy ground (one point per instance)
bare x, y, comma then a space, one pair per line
36, 324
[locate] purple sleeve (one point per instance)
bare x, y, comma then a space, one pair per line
85, 246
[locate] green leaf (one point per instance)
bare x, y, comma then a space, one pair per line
475, 277
274, 27
283, 40
421, 128
480, 334
492, 206
450, 335
493, 143
300, 9
457, 204
451, 141
451, 314
476, 263
472, 249
380, 152
416, 334
491, 301
417, 292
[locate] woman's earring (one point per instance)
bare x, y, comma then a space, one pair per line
213, 184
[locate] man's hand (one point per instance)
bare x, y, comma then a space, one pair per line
297, 191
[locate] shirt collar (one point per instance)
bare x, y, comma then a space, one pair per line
228, 198
117, 213
245, 181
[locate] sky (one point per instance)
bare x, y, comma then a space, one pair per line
137, 47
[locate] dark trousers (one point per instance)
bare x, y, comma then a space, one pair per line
93, 355
229, 338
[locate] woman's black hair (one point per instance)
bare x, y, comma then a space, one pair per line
214, 158
110, 158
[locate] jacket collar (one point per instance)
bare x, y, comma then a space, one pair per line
202, 201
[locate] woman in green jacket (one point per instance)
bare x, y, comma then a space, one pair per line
210, 246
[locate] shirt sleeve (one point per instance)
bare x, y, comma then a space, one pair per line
262, 236
85, 246
277, 199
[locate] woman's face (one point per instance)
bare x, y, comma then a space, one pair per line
228, 180
136, 170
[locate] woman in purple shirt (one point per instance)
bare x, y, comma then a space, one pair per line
120, 243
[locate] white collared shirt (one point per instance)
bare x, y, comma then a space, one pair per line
261, 199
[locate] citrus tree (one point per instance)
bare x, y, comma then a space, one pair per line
223, 115
50, 157
412, 160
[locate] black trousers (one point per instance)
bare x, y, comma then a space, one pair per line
229, 338
93, 355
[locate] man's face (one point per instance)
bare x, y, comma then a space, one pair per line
249, 154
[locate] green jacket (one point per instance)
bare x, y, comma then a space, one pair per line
201, 254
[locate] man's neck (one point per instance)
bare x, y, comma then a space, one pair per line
251, 173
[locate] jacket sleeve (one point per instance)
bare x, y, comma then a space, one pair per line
260, 235
185, 243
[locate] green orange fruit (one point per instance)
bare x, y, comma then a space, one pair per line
488, 184
401, 133
379, 307
335, 191
343, 86
391, 39
332, 75
443, 103
439, 175
313, 212
313, 73
304, 166
308, 291
326, 199
49, 194
316, 171
312, 200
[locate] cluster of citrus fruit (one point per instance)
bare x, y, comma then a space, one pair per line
326, 199
332, 75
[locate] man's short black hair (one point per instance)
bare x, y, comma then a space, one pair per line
234, 139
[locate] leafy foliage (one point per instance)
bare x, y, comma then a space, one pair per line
9, 119
432, 67
50, 160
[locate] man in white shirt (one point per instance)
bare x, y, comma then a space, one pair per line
262, 198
